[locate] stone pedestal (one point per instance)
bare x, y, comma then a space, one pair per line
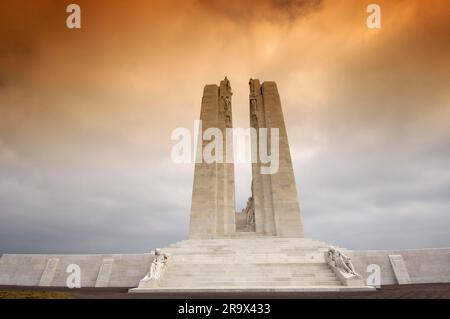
250, 264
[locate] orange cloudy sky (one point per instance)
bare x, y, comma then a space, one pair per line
86, 117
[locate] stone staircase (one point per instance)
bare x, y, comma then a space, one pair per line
246, 263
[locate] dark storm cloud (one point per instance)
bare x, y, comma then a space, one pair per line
379, 192
86, 117
275, 11
92, 207
24, 29
295, 9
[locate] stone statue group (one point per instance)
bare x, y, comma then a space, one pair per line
337, 259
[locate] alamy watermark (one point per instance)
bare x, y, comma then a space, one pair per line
73, 21
74, 278
374, 279
235, 145
374, 19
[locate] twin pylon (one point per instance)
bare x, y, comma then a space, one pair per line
273, 208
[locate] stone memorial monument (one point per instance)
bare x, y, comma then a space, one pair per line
261, 248
274, 200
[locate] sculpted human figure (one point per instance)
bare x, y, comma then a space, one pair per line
157, 266
227, 85
250, 212
337, 259
227, 102
253, 106
330, 257
252, 88
228, 121
254, 120
342, 261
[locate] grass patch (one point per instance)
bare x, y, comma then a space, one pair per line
29, 294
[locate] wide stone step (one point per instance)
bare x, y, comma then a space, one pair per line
249, 266
250, 242
256, 251
212, 276
269, 263
248, 245
250, 284
177, 279
242, 255
285, 272
227, 253
274, 252
268, 247
248, 275
243, 251
205, 274
248, 262
249, 272
255, 261
262, 273
237, 275
243, 274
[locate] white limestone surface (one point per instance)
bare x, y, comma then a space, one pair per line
430, 265
423, 265
28, 270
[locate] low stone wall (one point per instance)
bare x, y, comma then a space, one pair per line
422, 265
35, 270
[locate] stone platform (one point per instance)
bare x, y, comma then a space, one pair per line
250, 264
424, 266
255, 290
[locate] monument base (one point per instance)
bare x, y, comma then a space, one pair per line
420, 266
251, 264
252, 290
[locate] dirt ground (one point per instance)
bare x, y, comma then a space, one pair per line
423, 291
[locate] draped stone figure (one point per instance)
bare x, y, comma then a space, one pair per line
156, 269
337, 259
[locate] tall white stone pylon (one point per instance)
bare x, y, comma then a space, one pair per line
213, 208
